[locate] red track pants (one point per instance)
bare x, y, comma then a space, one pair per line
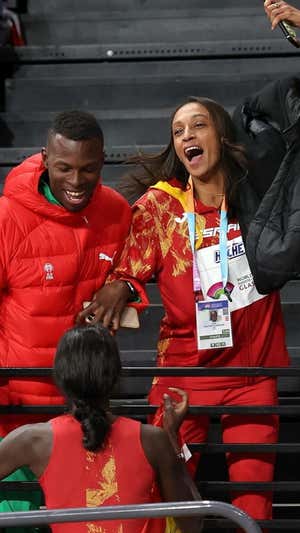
236, 429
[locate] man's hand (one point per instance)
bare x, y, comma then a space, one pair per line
279, 11
174, 411
107, 306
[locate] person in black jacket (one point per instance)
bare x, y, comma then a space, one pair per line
268, 124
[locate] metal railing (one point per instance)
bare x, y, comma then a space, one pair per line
138, 371
124, 512
289, 409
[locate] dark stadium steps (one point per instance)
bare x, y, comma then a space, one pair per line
40, 7
149, 24
31, 128
111, 52
148, 69
162, 85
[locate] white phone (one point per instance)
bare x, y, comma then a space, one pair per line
130, 318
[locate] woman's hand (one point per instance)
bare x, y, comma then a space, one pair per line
279, 11
107, 305
174, 411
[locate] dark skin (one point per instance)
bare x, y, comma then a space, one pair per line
31, 445
107, 305
74, 169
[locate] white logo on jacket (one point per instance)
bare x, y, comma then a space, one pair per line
49, 271
105, 257
182, 219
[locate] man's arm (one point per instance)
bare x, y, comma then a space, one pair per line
140, 259
28, 445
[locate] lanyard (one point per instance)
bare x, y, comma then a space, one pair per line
191, 220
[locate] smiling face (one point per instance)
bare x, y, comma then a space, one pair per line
74, 169
196, 141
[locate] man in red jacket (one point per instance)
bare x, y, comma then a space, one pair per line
61, 233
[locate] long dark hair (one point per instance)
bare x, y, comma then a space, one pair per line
165, 164
86, 368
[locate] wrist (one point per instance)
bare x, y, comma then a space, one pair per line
184, 453
180, 448
133, 294
173, 439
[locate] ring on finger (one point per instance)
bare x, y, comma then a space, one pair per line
90, 318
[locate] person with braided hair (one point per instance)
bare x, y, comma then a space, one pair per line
89, 457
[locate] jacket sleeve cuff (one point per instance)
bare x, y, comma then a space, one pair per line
143, 301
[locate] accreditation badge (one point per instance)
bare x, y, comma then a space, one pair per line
213, 324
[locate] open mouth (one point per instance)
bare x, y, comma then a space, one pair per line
74, 196
193, 151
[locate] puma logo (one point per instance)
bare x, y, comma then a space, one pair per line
182, 219
105, 257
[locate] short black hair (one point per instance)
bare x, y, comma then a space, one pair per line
76, 125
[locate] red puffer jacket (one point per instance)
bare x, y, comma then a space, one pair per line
51, 261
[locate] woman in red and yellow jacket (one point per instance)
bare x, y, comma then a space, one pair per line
186, 232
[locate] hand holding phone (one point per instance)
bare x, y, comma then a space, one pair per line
289, 33
129, 317
286, 17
